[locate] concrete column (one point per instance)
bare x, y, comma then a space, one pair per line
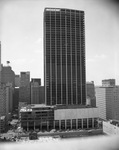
71, 124
92, 122
47, 126
82, 123
41, 125
76, 123
98, 122
54, 124
27, 126
60, 124
34, 125
65, 125
87, 123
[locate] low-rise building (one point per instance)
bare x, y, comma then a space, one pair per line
37, 117
44, 117
111, 127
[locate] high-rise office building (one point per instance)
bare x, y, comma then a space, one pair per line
37, 92
90, 93
24, 90
35, 85
0, 64
17, 80
108, 82
107, 101
64, 57
16, 98
37, 80
7, 75
42, 98
6, 100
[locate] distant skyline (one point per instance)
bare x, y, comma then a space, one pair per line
21, 36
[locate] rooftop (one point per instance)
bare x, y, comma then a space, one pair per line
72, 106
29, 108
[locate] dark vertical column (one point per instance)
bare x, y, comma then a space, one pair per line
78, 39
56, 55
83, 59
47, 69
73, 56
58, 51
53, 60
61, 54
80, 61
66, 56
69, 66
76, 58
63, 57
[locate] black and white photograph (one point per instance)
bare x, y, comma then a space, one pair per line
59, 74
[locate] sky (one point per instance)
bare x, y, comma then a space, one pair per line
21, 36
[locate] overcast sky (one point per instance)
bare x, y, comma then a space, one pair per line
21, 35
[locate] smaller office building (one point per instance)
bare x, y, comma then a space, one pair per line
44, 117
37, 116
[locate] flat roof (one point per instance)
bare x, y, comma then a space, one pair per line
72, 106
32, 107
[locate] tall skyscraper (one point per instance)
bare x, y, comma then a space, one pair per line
64, 57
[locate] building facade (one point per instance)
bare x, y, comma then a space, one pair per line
108, 82
9, 97
2, 124
0, 64
2, 100
90, 93
107, 100
6, 100
42, 117
24, 90
7, 75
35, 91
16, 98
64, 57
36, 80
42, 95
17, 80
